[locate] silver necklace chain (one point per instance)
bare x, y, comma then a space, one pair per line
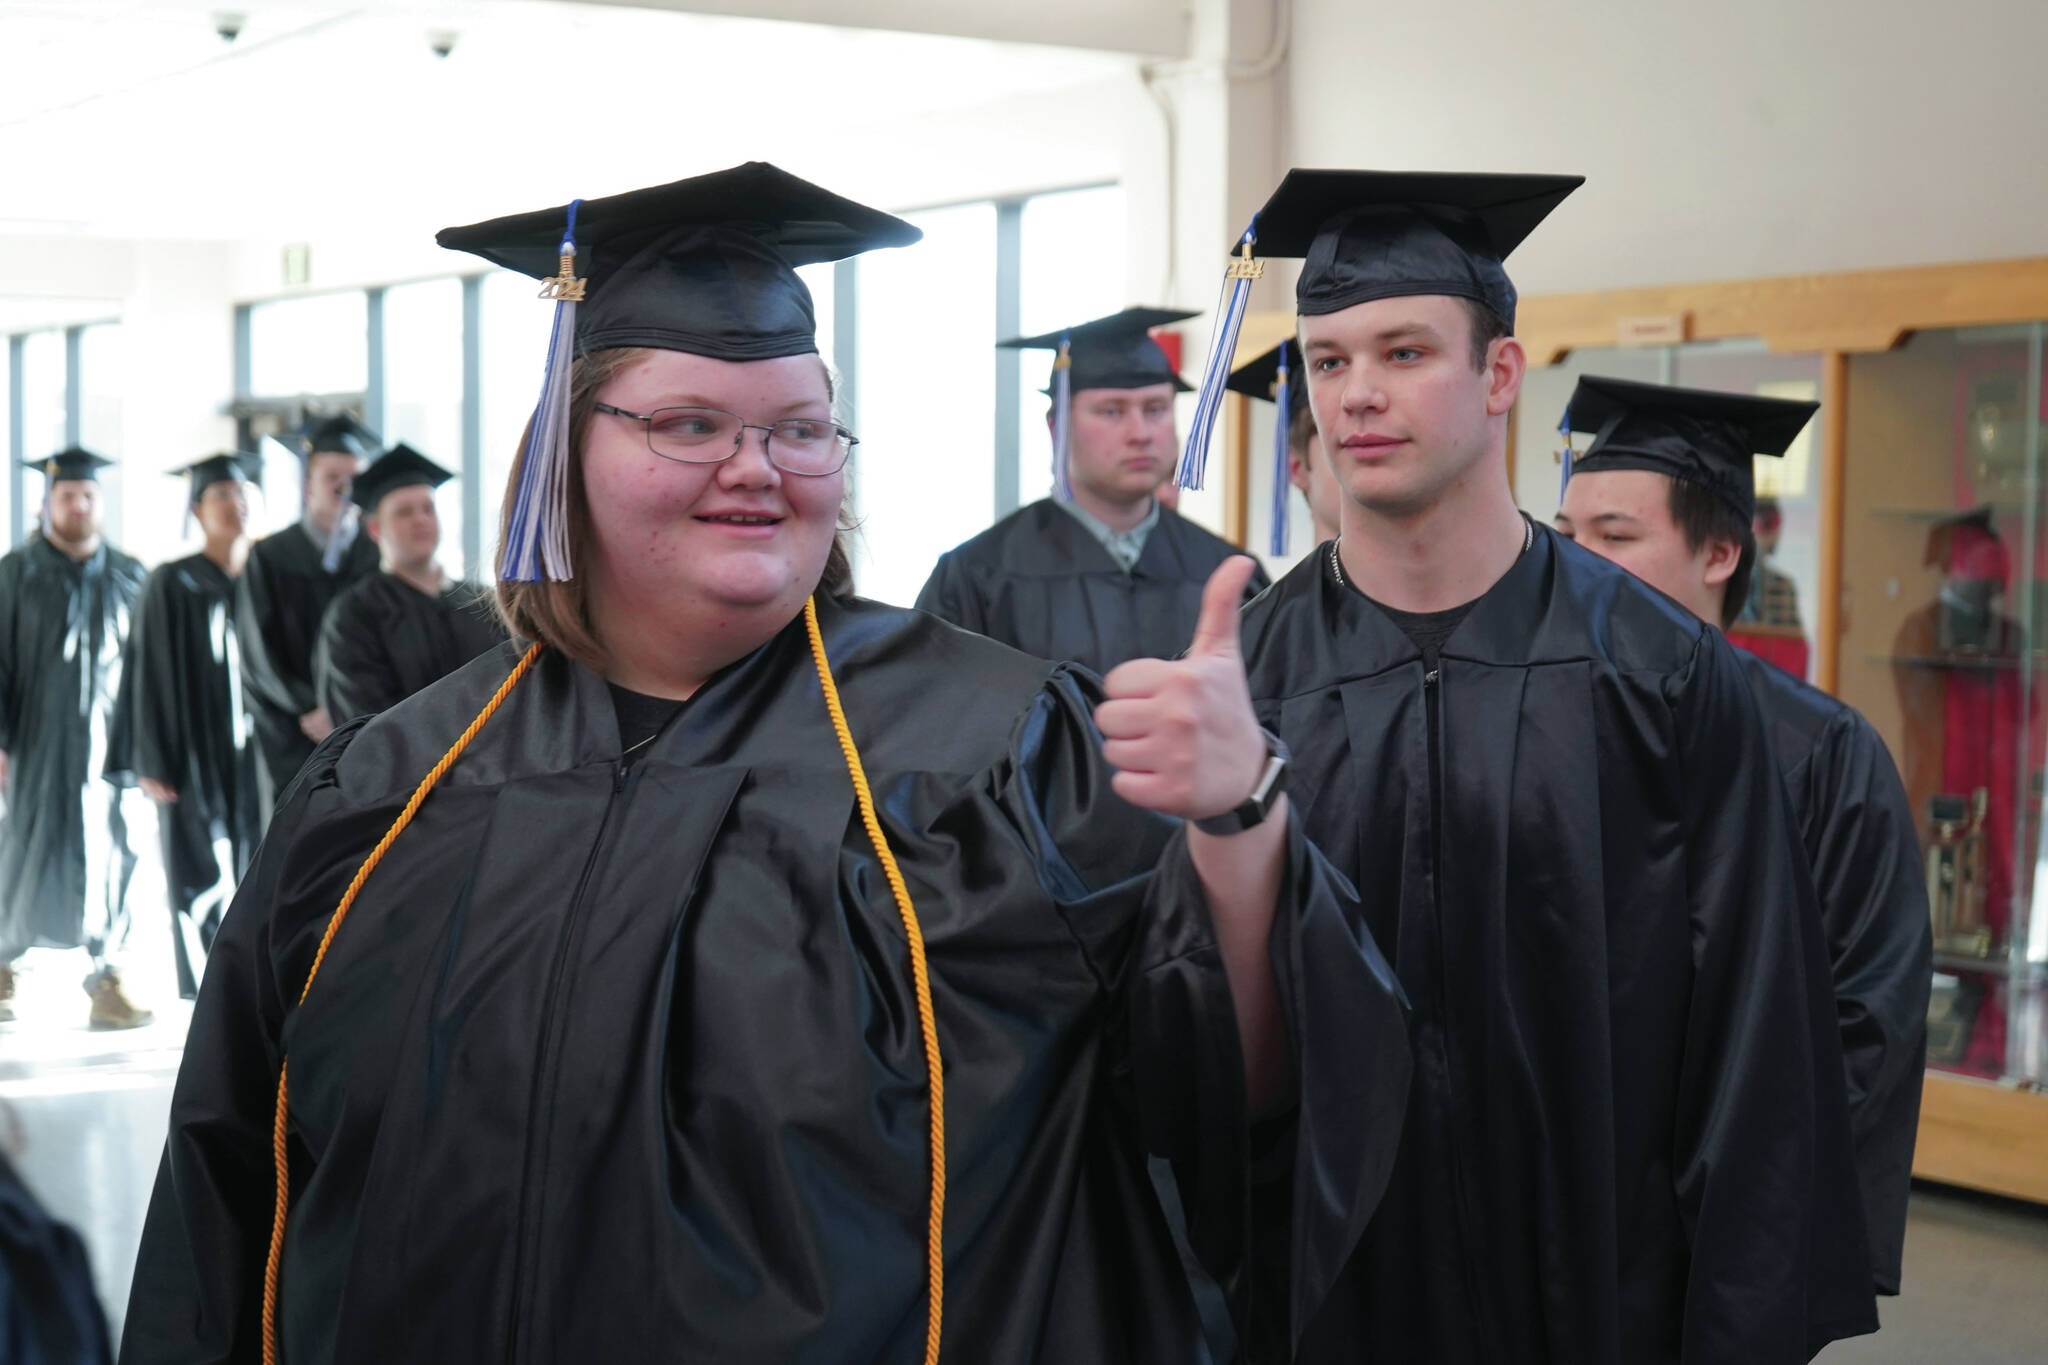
1337, 563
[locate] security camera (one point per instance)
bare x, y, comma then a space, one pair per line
442, 40
228, 24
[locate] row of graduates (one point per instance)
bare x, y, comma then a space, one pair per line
743, 970
186, 683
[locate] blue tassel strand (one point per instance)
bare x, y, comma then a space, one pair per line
1230, 309
1283, 405
537, 531
1564, 456
1062, 420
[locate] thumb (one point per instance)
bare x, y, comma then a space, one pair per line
1216, 631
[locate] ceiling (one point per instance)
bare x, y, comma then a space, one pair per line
135, 119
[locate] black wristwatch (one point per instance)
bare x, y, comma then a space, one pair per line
1254, 808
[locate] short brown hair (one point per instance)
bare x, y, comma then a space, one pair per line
1487, 328
557, 614
1702, 516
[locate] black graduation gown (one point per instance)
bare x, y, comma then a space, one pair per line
63, 627
1865, 853
189, 728
1627, 1139
49, 1314
384, 639
616, 1062
1039, 581
283, 594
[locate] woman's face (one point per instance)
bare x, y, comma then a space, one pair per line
741, 533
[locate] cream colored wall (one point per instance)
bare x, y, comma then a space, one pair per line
1743, 138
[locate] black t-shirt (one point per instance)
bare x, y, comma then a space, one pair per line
1429, 629
640, 717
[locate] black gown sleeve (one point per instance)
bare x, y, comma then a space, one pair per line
266, 672
1273, 1214
10, 606
1873, 896
151, 690
1762, 1162
353, 671
949, 595
197, 1295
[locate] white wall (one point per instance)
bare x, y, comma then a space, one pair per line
1742, 138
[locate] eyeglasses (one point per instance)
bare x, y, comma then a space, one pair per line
799, 445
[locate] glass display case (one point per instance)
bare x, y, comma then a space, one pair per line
1945, 647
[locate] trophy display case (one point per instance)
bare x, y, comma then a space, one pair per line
1944, 646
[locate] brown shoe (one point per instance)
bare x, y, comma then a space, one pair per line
6, 994
111, 1007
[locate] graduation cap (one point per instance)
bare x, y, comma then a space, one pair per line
1698, 435
73, 462
1366, 235
1116, 352
705, 266
234, 466
1276, 377
340, 434
399, 467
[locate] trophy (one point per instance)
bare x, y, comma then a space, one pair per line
1955, 873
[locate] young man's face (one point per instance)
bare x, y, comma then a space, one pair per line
406, 526
330, 475
1406, 418
75, 510
1123, 443
1625, 515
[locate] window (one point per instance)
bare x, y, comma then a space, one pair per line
312, 345
423, 390
1059, 230
42, 402
925, 468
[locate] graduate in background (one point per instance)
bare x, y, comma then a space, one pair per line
1667, 491
66, 599
1628, 1139
1302, 463
1099, 572
394, 631
764, 974
192, 745
283, 594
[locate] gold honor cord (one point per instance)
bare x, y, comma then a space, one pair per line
920, 979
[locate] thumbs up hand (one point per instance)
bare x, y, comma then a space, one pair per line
1181, 732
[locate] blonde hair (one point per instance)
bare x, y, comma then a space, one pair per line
557, 614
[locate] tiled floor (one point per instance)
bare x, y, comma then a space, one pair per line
89, 1112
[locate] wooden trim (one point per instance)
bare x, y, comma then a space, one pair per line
1834, 462
1983, 1136
1237, 492
1860, 310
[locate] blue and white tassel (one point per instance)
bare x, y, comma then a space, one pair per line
1063, 420
1230, 308
1564, 454
537, 531
340, 539
1283, 426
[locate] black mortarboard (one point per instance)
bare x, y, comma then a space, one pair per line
1259, 378
339, 434
73, 462
1116, 352
1699, 435
237, 466
704, 265
399, 467
1368, 235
